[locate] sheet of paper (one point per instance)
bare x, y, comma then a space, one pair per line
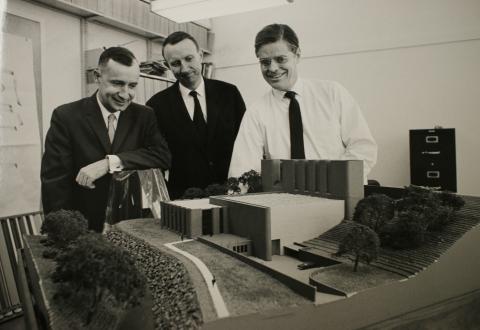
20, 150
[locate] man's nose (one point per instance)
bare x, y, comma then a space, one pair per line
183, 66
273, 66
124, 92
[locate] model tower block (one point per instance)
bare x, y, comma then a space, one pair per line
335, 179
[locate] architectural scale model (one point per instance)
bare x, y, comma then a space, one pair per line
302, 199
309, 204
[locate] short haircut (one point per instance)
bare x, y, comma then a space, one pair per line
118, 54
275, 32
176, 37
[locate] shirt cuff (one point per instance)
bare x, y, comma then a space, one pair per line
114, 164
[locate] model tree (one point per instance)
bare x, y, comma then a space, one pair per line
253, 180
449, 205
408, 231
374, 211
92, 269
216, 189
362, 242
416, 196
436, 208
62, 227
193, 193
423, 200
451, 200
233, 186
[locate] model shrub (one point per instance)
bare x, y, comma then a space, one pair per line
92, 269
419, 197
408, 231
193, 193
445, 213
253, 180
233, 185
215, 190
63, 227
362, 242
451, 200
437, 208
374, 211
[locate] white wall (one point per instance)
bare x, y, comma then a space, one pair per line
101, 35
409, 63
60, 53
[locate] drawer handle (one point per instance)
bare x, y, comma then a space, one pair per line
430, 152
433, 174
431, 139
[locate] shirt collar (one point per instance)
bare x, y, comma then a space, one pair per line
105, 112
186, 92
297, 88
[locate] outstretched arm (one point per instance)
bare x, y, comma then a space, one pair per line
154, 152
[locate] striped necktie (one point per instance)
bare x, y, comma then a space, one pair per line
111, 126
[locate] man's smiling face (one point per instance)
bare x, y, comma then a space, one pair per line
279, 64
117, 84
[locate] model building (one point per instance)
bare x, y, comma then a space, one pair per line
302, 199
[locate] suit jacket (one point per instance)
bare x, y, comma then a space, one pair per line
195, 164
78, 137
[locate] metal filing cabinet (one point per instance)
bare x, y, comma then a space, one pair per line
432, 158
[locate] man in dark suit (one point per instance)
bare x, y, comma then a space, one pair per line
98, 135
198, 117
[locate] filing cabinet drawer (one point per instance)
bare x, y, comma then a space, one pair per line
432, 158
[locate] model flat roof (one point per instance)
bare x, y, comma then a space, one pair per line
195, 204
276, 199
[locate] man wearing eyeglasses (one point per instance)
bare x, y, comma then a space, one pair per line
299, 118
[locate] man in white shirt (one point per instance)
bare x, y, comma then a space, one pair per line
95, 136
298, 118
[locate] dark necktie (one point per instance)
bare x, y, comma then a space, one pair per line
198, 119
296, 129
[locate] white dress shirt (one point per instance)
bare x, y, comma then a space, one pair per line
333, 128
189, 101
114, 162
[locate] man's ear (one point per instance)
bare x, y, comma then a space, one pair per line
96, 74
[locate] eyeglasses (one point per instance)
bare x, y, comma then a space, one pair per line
267, 61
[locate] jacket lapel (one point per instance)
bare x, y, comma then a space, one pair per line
213, 110
180, 113
96, 122
125, 122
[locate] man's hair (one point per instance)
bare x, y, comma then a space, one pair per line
275, 32
176, 37
118, 54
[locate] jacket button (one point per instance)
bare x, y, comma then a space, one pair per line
210, 163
